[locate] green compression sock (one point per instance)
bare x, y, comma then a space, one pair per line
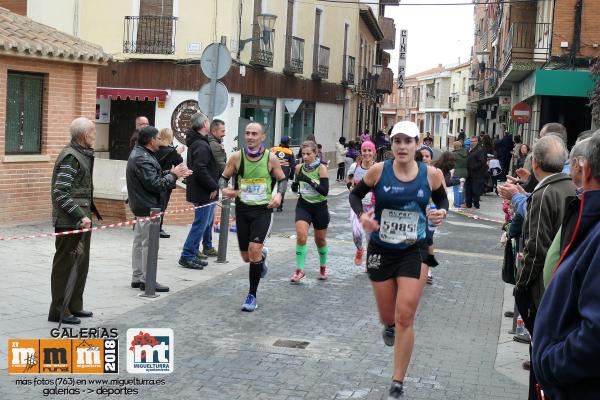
323, 255
301, 251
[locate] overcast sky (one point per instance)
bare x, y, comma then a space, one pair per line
436, 34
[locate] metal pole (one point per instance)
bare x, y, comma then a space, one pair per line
224, 231
152, 258
213, 85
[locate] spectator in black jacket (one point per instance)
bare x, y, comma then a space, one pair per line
168, 156
476, 173
202, 188
145, 182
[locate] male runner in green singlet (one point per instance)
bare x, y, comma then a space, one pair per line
254, 168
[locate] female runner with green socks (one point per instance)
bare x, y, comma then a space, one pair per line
312, 183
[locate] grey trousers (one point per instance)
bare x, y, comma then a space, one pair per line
139, 256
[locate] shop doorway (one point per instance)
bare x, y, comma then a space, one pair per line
573, 112
122, 124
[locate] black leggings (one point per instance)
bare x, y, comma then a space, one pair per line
341, 170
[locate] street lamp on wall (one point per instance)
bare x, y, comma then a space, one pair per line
266, 23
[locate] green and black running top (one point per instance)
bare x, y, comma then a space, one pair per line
307, 192
254, 181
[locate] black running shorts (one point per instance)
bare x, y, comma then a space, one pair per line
316, 214
384, 264
253, 224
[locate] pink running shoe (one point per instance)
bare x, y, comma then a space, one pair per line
297, 276
358, 257
323, 274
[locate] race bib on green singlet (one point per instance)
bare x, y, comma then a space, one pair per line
307, 190
254, 189
398, 226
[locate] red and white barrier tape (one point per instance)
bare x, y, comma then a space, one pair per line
103, 227
473, 216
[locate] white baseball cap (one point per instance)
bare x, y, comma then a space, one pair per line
408, 128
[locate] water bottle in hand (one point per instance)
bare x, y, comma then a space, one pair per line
431, 226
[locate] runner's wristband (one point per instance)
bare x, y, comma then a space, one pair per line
223, 182
282, 186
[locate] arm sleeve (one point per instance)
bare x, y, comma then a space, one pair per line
519, 202
356, 195
61, 192
323, 187
201, 173
575, 358
282, 186
292, 166
440, 198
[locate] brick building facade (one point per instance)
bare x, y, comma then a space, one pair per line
47, 79
536, 53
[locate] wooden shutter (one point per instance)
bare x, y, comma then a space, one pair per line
24, 100
155, 27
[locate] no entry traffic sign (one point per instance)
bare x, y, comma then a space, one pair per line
521, 113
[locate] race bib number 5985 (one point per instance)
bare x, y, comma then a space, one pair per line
398, 226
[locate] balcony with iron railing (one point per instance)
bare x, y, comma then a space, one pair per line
149, 34
483, 40
527, 41
262, 47
321, 67
480, 89
366, 81
348, 75
491, 83
294, 63
496, 22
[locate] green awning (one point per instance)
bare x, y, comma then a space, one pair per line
572, 83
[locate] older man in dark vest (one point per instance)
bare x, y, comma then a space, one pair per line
72, 207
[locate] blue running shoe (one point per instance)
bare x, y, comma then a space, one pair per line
250, 303
389, 334
265, 267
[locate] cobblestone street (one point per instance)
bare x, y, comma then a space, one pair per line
222, 353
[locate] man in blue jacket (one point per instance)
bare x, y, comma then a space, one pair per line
202, 188
566, 339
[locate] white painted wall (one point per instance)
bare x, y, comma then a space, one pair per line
231, 114
60, 14
328, 127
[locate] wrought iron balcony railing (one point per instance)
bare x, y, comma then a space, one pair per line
294, 64
321, 69
527, 41
149, 34
348, 75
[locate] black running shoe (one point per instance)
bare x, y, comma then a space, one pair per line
389, 334
396, 391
